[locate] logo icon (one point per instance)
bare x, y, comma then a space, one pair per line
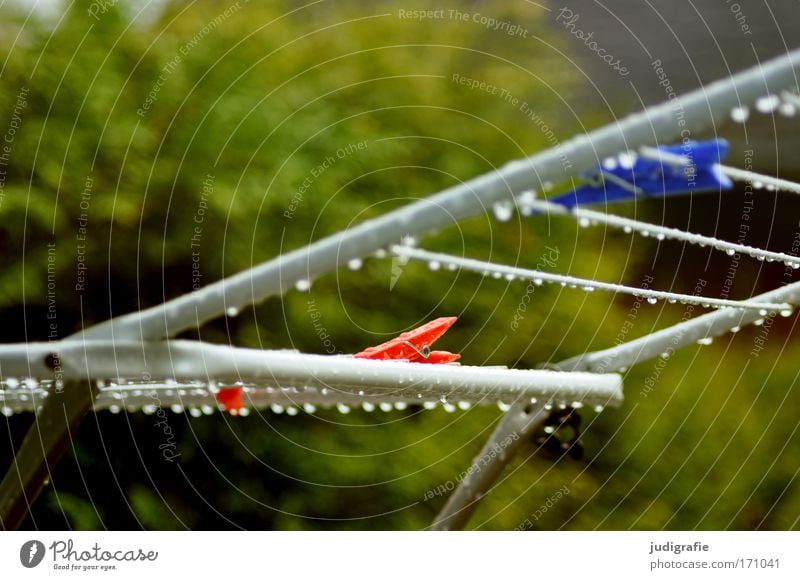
31, 553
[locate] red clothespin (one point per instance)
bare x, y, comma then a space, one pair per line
231, 399
415, 345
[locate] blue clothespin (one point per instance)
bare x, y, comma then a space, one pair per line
666, 170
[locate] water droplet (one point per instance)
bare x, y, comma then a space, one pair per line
758, 185
277, 409
652, 300
207, 409
767, 104
291, 411
408, 241
503, 210
661, 237
7, 411
525, 202
786, 312
705, 341
736, 329
598, 408
787, 109
463, 405
115, 409
538, 281
497, 275
730, 251
588, 288
232, 311
584, 222
175, 408
303, 285
449, 408
355, 264
243, 412
195, 412
343, 409
609, 163
758, 322
739, 114
763, 312
665, 355
433, 265
429, 405
503, 406
549, 429
401, 406
309, 408
627, 160
627, 229
385, 407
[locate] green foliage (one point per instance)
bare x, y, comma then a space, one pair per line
156, 125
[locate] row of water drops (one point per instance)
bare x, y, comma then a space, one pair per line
309, 408
786, 104
436, 265
503, 210
789, 261
129, 404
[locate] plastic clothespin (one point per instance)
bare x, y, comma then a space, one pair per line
414, 345
655, 172
231, 399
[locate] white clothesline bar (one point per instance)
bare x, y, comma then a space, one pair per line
537, 276
180, 361
588, 217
